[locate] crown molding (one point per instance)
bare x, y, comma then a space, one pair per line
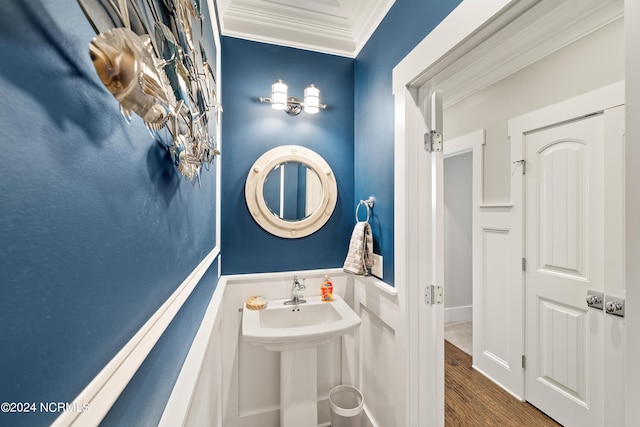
337, 27
365, 20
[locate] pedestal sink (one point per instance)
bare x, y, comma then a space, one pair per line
296, 332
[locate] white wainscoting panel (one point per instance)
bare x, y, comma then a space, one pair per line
196, 398
378, 350
251, 374
258, 379
228, 382
206, 402
379, 339
497, 300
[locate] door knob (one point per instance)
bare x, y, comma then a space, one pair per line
614, 306
594, 299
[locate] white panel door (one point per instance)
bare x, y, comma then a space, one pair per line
564, 250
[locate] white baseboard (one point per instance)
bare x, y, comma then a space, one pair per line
366, 422
520, 398
458, 314
102, 392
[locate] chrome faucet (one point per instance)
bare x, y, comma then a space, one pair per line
295, 289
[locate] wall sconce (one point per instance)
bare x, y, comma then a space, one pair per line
290, 104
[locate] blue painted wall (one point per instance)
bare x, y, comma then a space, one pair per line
143, 400
250, 128
406, 24
97, 229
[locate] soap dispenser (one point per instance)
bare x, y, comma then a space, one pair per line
327, 289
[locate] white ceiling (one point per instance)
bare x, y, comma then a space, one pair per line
338, 27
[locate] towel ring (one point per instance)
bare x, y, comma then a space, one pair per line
369, 204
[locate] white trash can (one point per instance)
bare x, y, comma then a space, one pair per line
346, 406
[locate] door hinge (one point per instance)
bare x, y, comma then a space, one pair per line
433, 294
523, 361
433, 141
524, 264
523, 163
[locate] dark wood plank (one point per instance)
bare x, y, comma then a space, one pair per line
471, 399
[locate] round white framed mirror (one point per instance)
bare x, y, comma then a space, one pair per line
291, 191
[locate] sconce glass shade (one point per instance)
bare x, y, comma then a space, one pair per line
311, 99
279, 95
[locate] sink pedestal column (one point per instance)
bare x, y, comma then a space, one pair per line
299, 388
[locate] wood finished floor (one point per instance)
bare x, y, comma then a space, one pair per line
471, 399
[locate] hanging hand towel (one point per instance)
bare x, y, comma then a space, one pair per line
360, 256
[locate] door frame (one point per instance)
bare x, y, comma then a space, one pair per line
632, 207
434, 62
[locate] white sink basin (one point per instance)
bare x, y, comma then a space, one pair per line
281, 327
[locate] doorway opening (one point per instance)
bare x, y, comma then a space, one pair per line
502, 38
458, 267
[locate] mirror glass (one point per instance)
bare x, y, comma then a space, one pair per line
292, 191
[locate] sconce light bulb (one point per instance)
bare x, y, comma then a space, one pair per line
311, 99
279, 95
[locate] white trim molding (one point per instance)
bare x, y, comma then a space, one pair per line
102, 392
216, 40
632, 207
515, 35
496, 206
334, 27
473, 142
180, 406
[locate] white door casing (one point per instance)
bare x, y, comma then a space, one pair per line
631, 177
616, 337
431, 254
418, 260
564, 221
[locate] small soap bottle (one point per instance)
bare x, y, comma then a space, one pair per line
327, 289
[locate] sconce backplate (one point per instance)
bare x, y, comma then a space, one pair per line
294, 106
